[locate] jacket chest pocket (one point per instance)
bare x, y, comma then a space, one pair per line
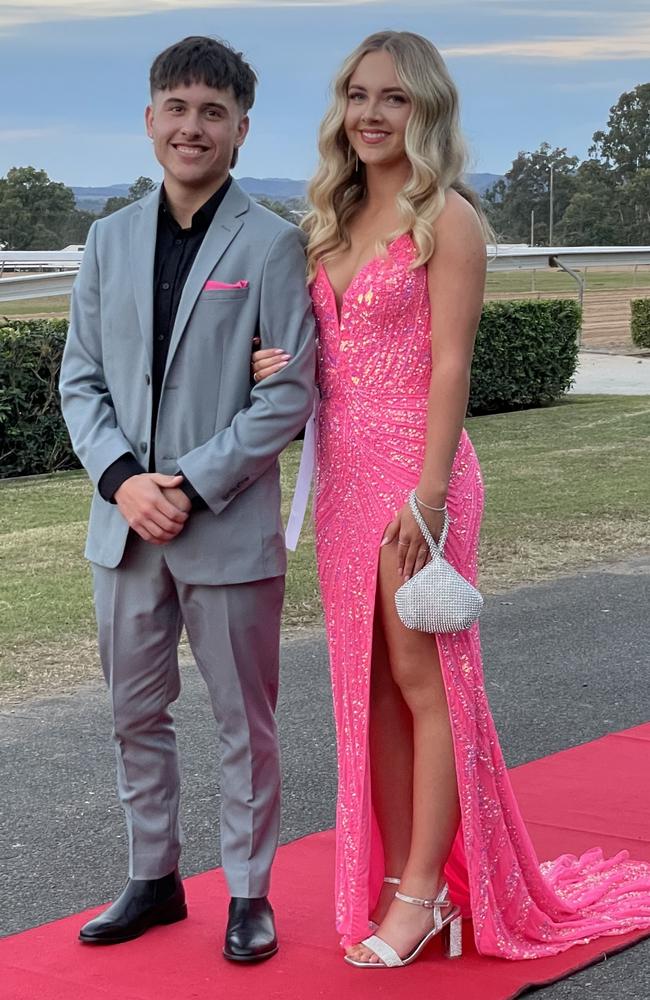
219, 312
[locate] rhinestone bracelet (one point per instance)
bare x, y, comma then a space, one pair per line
438, 510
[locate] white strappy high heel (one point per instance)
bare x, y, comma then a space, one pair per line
389, 880
450, 925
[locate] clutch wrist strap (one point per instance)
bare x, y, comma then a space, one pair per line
435, 550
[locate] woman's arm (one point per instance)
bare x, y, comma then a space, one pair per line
456, 280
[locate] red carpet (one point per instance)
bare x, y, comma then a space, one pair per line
593, 795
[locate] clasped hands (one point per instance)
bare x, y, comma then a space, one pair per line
154, 506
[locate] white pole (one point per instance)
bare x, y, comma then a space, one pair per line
550, 209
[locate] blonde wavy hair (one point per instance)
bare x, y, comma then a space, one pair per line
434, 146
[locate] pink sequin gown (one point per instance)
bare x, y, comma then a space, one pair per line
374, 372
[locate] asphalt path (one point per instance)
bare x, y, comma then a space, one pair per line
607, 374
565, 662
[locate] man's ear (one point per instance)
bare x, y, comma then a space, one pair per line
242, 131
148, 120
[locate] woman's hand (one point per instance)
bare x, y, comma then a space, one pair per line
412, 550
267, 362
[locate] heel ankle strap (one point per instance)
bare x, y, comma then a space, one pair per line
440, 900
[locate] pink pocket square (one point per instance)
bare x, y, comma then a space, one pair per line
211, 286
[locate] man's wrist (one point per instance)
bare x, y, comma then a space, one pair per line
116, 474
195, 498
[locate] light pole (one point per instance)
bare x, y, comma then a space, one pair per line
550, 208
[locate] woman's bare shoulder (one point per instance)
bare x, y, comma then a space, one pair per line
458, 215
459, 242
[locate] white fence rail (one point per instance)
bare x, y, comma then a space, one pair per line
36, 286
506, 258
538, 258
12, 260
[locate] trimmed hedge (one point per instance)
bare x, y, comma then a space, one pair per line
526, 355
640, 326
33, 437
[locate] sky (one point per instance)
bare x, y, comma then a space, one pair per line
74, 74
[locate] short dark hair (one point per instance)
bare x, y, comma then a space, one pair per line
199, 59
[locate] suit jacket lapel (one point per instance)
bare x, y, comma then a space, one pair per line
144, 225
222, 231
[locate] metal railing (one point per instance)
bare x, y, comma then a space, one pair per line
506, 258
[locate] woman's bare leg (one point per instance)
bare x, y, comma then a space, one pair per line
415, 669
391, 765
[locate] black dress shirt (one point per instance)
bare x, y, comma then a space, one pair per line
176, 251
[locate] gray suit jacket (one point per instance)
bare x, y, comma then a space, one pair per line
222, 432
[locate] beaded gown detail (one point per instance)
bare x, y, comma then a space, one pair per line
374, 374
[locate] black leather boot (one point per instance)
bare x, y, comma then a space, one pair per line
143, 904
250, 935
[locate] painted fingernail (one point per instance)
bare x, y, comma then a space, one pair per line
280, 351
384, 541
406, 579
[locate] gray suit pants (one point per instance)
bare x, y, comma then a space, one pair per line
234, 635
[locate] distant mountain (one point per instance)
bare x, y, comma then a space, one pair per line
277, 188
114, 191
481, 182
93, 199
273, 187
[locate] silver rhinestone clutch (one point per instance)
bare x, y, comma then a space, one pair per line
438, 598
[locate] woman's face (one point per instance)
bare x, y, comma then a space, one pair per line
378, 111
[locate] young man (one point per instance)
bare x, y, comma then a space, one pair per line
185, 525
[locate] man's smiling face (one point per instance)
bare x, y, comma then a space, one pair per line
195, 129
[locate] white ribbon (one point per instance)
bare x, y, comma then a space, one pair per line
304, 480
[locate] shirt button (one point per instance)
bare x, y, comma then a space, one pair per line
178, 242
143, 447
161, 336
165, 285
147, 379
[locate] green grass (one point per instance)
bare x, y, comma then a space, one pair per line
597, 279
52, 307
566, 486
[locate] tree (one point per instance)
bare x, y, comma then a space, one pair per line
625, 145
623, 150
595, 215
141, 187
278, 207
636, 197
526, 188
77, 226
34, 210
138, 190
114, 204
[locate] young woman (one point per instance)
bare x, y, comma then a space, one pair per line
396, 265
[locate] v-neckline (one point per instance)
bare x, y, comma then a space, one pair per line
339, 310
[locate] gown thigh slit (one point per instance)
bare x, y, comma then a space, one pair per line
375, 372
